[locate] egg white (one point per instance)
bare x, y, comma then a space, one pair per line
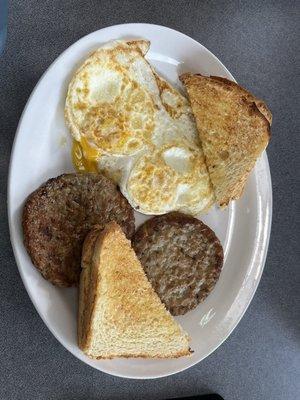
138, 130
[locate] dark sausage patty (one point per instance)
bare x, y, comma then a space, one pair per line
58, 215
182, 258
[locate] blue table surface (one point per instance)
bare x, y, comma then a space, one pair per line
258, 41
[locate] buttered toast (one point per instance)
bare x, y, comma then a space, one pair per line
120, 315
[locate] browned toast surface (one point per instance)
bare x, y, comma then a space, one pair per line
234, 129
120, 315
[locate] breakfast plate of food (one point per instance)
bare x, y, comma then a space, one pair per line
140, 200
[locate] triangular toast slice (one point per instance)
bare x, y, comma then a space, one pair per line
120, 315
234, 129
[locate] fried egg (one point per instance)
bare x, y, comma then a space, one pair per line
132, 125
173, 177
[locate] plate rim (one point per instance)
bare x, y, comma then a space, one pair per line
263, 159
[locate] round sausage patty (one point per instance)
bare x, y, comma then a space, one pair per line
59, 214
182, 258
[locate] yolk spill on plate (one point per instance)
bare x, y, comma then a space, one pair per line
84, 156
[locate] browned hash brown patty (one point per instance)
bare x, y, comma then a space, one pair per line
182, 258
59, 214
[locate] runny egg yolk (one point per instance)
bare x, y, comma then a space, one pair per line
84, 156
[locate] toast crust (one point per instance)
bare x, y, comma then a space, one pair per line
179, 354
262, 107
84, 286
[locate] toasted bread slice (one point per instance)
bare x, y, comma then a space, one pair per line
234, 129
120, 315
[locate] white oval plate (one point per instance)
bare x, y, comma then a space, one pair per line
42, 150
